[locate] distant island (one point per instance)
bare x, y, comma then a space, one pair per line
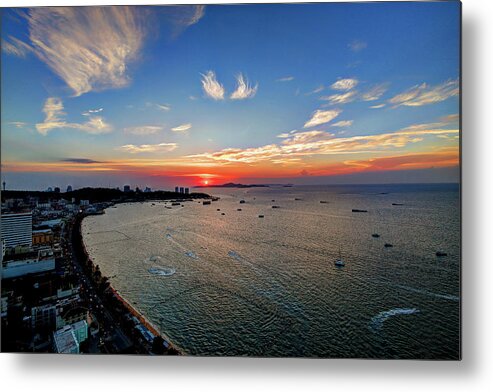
233, 185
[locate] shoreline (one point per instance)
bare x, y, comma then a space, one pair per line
124, 302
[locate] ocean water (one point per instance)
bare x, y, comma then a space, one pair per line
237, 284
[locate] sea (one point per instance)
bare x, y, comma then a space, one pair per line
220, 280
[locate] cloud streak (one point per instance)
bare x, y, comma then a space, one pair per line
344, 84
424, 94
143, 148
321, 117
16, 47
143, 129
182, 128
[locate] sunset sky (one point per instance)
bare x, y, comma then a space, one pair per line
165, 96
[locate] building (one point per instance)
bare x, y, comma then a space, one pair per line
176, 189
42, 237
126, 188
147, 189
69, 188
68, 339
182, 190
16, 229
28, 263
84, 203
187, 191
57, 189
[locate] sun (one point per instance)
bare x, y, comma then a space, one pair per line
206, 182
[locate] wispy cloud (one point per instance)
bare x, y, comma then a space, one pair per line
357, 45
321, 117
212, 88
163, 107
183, 16
18, 124
317, 90
89, 48
143, 129
161, 147
382, 105
335, 99
80, 160
310, 143
55, 119
243, 89
345, 84
285, 79
375, 92
92, 111
424, 94
182, 128
345, 123
16, 47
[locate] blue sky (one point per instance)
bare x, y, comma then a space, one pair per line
120, 95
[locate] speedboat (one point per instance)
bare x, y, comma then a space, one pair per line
339, 263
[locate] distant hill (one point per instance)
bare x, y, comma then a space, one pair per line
233, 185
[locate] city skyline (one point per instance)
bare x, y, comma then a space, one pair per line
189, 95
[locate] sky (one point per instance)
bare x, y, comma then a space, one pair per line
195, 95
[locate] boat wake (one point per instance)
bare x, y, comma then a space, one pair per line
377, 321
234, 255
191, 254
162, 271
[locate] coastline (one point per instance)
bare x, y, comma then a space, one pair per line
171, 346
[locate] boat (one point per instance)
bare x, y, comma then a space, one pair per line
397, 204
276, 206
323, 201
339, 261
297, 199
175, 203
375, 235
242, 201
222, 213
387, 245
273, 200
357, 210
218, 209
206, 202
239, 209
260, 216
440, 253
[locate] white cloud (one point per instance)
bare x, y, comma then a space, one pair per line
212, 88
377, 106
345, 84
285, 79
322, 117
424, 94
243, 89
182, 128
92, 111
183, 16
144, 129
374, 92
163, 107
15, 47
334, 99
161, 147
18, 124
357, 45
55, 119
283, 135
89, 48
345, 123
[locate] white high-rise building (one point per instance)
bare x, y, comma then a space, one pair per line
17, 229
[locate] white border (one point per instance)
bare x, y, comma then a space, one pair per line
474, 373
